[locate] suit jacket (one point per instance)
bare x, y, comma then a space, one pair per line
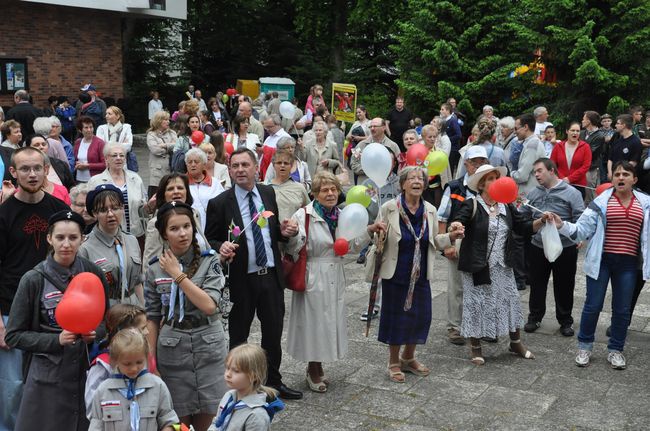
224, 209
6, 153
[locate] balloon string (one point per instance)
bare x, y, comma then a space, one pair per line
584, 187
536, 209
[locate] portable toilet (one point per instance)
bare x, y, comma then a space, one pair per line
248, 87
284, 87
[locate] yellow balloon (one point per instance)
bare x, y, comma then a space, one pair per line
436, 162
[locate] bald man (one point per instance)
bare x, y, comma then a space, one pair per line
246, 109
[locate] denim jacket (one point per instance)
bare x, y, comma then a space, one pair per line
591, 226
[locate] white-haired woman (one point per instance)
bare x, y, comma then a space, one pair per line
130, 183
203, 186
56, 133
299, 169
43, 126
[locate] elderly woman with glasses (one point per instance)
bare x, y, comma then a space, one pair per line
130, 184
203, 186
114, 251
318, 319
299, 169
78, 204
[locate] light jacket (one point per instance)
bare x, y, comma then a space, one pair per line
591, 226
137, 198
125, 138
390, 214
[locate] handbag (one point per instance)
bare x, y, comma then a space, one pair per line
132, 162
295, 272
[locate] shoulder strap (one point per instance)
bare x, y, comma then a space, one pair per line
306, 225
474, 206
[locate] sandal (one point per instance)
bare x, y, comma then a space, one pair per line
323, 378
476, 359
396, 376
319, 387
418, 369
521, 350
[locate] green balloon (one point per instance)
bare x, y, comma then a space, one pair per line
358, 195
224, 98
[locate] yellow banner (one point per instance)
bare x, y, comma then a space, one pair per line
344, 102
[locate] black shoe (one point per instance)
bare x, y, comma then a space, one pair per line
608, 332
532, 326
287, 393
567, 330
361, 259
490, 339
521, 287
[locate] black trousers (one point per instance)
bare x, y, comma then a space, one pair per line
520, 260
454, 157
262, 295
564, 277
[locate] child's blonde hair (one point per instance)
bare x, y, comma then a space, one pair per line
251, 360
129, 340
122, 316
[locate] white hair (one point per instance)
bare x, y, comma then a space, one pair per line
539, 111
109, 147
43, 125
55, 120
198, 153
507, 122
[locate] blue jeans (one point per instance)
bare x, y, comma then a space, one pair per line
622, 270
11, 385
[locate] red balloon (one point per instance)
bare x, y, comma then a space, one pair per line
227, 146
504, 190
231, 92
341, 247
82, 307
601, 188
416, 155
197, 137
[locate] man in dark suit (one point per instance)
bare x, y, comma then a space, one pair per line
24, 112
256, 278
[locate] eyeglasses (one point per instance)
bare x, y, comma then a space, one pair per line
282, 163
117, 156
28, 169
114, 210
372, 126
79, 204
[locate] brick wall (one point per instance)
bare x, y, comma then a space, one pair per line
65, 48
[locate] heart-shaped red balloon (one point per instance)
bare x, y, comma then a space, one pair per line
83, 304
197, 137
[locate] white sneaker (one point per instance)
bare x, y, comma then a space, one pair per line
617, 360
583, 357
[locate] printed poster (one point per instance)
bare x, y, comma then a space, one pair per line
344, 102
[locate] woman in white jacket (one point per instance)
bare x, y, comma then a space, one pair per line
115, 129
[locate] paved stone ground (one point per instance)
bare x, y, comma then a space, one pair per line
508, 393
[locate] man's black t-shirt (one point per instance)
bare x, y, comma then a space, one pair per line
23, 242
400, 122
625, 149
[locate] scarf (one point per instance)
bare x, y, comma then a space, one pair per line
417, 254
130, 392
226, 414
114, 132
331, 217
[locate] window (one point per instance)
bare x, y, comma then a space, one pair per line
157, 4
13, 75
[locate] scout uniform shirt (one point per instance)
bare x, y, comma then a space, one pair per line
159, 289
102, 249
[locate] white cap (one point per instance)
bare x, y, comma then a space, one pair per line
475, 151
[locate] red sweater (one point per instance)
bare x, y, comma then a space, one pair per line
580, 163
96, 163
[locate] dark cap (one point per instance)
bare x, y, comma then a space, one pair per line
92, 195
168, 207
88, 87
605, 116
67, 215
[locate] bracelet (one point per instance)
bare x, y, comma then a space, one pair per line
180, 278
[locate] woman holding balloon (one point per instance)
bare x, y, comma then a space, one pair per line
406, 269
317, 323
491, 304
53, 319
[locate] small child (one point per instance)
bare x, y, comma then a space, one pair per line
249, 404
132, 398
119, 316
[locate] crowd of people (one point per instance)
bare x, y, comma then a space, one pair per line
187, 261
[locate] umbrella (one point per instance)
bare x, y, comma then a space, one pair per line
379, 251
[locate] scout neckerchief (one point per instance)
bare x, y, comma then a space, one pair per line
130, 392
415, 268
121, 254
226, 414
172, 301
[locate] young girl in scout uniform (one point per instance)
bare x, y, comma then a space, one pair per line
182, 288
116, 252
132, 395
248, 405
53, 395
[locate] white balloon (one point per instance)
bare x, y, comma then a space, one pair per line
353, 221
376, 162
287, 110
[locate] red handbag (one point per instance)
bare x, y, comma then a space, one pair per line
295, 272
